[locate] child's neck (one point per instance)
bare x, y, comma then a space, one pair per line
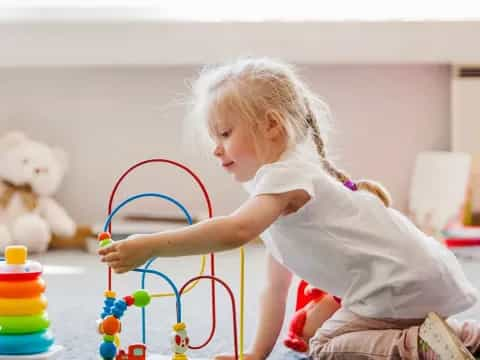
275, 150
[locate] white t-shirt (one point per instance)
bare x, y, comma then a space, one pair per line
349, 244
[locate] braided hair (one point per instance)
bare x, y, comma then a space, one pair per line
367, 185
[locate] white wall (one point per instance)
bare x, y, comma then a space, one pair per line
108, 118
89, 36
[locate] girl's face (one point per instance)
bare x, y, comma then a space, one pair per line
235, 148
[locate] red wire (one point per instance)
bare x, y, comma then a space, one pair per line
210, 214
232, 299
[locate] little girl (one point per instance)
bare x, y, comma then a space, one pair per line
396, 284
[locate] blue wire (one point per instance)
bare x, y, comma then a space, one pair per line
145, 270
147, 266
142, 195
144, 335
175, 290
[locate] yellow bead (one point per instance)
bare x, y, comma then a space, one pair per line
110, 294
116, 340
16, 255
179, 326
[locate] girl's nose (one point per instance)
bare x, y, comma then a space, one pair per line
218, 151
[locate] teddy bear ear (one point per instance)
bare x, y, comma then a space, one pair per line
11, 139
62, 157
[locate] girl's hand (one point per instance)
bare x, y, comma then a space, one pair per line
232, 357
127, 254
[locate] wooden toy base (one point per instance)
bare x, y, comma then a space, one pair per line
54, 352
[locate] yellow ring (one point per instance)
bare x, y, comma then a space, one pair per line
27, 306
189, 287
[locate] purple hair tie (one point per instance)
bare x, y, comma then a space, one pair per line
351, 185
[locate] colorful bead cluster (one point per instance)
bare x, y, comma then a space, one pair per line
110, 325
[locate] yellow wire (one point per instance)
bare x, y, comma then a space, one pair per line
189, 287
242, 298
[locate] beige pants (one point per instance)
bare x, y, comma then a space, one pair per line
351, 337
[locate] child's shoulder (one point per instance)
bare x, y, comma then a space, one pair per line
291, 167
285, 175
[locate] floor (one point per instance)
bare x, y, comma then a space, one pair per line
76, 282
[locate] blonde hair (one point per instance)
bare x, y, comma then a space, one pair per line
251, 87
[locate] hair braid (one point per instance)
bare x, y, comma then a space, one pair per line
367, 185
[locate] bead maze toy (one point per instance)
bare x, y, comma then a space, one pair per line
109, 325
24, 323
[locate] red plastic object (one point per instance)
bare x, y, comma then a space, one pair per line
104, 235
294, 340
459, 242
135, 352
129, 300
302, 298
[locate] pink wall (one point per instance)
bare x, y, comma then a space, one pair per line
385, 115
108, 118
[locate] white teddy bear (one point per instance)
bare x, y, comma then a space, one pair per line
30, 173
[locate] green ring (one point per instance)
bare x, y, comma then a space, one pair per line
23, 324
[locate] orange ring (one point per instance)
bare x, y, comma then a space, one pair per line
22, 289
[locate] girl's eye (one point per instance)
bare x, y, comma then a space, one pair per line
225, 134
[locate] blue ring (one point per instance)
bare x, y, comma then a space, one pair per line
26, 344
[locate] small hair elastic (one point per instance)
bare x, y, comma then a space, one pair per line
351, 185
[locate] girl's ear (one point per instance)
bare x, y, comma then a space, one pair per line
273, 125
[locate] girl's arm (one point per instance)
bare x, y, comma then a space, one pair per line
272, 308
212, 235
272, 311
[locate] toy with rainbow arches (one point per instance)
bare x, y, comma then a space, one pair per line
110, 324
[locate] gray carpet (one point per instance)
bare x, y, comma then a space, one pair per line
76, 298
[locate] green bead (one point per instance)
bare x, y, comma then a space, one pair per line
108, 338
141, 298
105, 242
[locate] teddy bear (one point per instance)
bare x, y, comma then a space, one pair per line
30, 173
